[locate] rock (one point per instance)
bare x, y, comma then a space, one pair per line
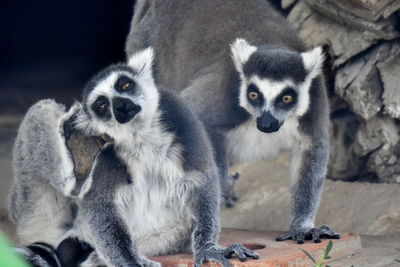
286, 4
364, 208
389, 72
359, 84
371, 10
383, 28
358, 81
385, 162
376, 133
317, 30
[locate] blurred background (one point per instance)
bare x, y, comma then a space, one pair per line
49, 49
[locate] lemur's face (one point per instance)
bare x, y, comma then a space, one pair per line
275, 82
122, 97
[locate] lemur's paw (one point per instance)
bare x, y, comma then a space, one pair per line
210, 254
240, 251
148, 263
314, 234
229, 194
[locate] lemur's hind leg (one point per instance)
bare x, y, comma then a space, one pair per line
227, 181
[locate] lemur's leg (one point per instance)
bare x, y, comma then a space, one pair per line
100, 220
206, 228
307, 171
110, 236
227, 181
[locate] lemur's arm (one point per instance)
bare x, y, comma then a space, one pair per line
308, 169
206, 229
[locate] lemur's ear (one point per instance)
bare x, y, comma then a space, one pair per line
241, 52
142, 61
313, 61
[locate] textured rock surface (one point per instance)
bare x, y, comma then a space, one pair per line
318, 30
364, 76
389, 72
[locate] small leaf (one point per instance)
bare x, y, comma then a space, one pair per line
328, 249
309, 255
327, 266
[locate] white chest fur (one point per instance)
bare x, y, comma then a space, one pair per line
154, 204
246, 143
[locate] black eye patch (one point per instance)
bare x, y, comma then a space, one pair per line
287, 99
254, 95
124, 84
101, 107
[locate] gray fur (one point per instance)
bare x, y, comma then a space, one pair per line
135, 175
43, 169
192, 39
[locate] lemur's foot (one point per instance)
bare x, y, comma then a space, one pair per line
148, 263
314, 234
221, 254
210, 254
240, 251
228, 190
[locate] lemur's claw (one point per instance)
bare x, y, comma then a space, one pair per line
314, 234
210, 254
240, 251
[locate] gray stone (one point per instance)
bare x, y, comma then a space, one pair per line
371, 10
358, 81
286, 4
376, 133
317, 30
389, 72
370, 13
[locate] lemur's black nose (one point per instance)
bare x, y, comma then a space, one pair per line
267, 123
124, 109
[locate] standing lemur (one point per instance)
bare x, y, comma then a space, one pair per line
152, 190
253, 83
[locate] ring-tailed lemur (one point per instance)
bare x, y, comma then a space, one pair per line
264, 95
154, 190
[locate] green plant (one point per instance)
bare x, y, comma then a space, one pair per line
325, 256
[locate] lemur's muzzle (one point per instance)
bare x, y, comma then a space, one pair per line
267, 123
124, 109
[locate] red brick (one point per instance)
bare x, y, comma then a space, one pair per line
272, 253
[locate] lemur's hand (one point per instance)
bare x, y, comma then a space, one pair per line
229, 195
314, 234
143, 262
221, 254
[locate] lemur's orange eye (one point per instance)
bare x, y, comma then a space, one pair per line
253, 95
125, 86
102, 107
287, 99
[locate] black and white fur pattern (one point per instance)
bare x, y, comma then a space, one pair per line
214, 52
154, 190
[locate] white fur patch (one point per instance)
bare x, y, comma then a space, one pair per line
142, 61
241, 52
51, 210
313, 61
246, 143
